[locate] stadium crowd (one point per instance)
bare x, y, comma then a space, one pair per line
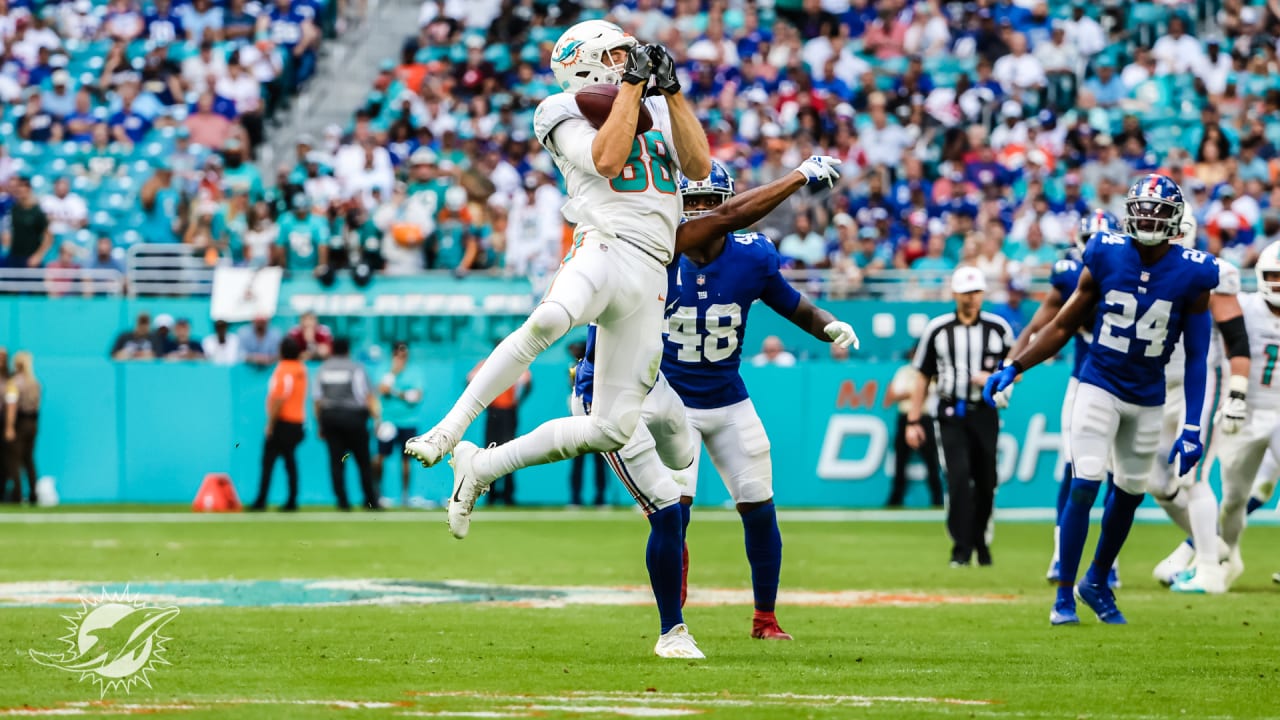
970, 132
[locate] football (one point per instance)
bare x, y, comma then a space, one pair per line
596, 101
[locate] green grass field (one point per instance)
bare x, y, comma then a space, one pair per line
906, 647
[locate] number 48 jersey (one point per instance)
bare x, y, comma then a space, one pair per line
707, 307
1140, 314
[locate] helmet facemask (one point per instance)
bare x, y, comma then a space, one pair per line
1152, 220
703, 201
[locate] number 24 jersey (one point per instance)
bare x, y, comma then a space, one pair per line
707, 307
1141, 311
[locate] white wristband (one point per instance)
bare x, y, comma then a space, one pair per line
1238, 384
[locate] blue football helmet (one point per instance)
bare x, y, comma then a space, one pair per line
718, 182
1095, 222
1153, 210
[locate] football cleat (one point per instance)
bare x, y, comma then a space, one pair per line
678, 643
466, 489
764, 626
430, 448
1275, 578
1055, 572
1166, 570
1202, 580
1234, 567
1101, 601
1064, 613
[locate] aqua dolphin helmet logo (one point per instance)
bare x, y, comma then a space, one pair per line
113, 641
568, 52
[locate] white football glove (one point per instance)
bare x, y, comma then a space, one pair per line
820, 168
1234, 411
841, 333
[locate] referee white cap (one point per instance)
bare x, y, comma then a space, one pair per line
968, 279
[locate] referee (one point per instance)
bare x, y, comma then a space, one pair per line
960, 350
344, 403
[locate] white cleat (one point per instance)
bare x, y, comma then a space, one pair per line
466, 489
1203, 579
431, 447
1167, 570
1234, 566
678, 643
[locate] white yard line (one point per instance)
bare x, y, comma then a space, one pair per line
817, 516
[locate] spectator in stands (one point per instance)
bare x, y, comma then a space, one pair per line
66, 210
204, 70
1176, 52
404, 224
457, 245
123, 21
238, 174
202, 19
1019, 73
183, 346
773, 353
128, 126
804, 247
60, 274
259, 342
38, 124
137, 343
60, 100
104, 259
207, 126
162, 24
286, 410
163, 335
242, 88
303, 239
261, 236
222, 347
28, 236
21, 423
159, 200
315, 338
294, 32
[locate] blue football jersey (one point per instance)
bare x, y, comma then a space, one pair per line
586, 368
1140, 314
707, 307
1064, 278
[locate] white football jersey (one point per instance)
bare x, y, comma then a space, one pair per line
641, 205
1228, 284
1263, 327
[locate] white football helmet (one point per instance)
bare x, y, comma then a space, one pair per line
581, 55
1269, 262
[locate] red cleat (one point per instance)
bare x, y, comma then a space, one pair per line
764, 626
684, 576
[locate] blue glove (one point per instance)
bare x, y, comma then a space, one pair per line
1190, 449
998, 381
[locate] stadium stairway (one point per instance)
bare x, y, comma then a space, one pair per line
345, 71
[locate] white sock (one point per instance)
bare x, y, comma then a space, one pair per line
1057, 543
1203, 511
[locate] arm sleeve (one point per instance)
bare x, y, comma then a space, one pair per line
571, 140
1195, 338
777, 293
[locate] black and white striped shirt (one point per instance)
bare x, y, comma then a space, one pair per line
954, 353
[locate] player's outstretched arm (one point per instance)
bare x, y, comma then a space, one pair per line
612, 144
1197, 330
1050, 340
691, 142
822, 324
743, 210
1050, 307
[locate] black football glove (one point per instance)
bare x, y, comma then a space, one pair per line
664, 70
639, 66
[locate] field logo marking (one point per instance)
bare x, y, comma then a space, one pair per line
114, 641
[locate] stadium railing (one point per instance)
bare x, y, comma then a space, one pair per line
61, 281
161, 269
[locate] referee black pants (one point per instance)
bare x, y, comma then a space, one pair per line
969, 451
348, 434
